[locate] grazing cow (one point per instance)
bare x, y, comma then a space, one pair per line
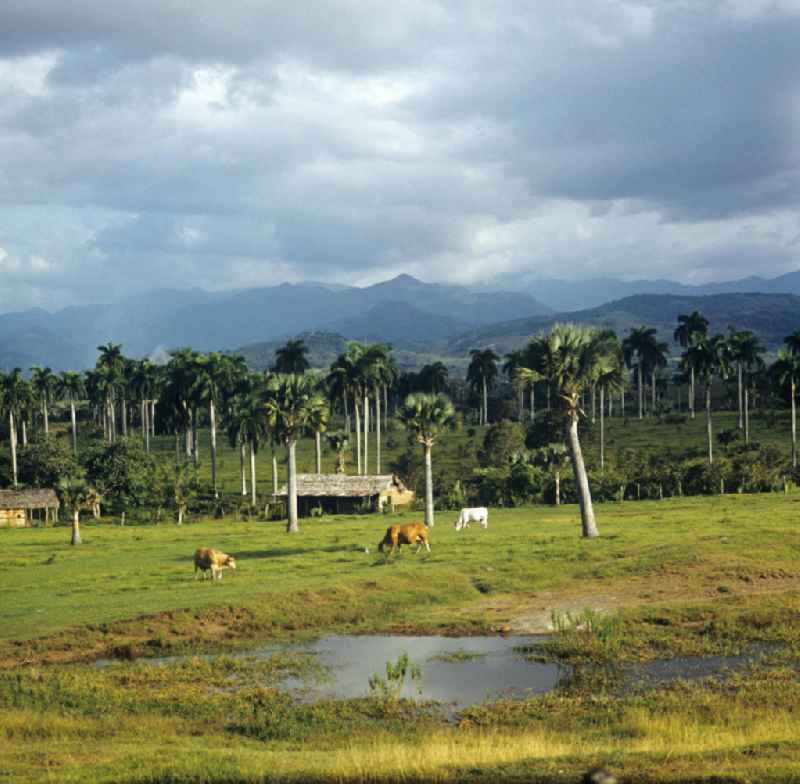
477, 514
207, 559
412, 533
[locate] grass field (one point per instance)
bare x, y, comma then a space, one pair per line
691, 576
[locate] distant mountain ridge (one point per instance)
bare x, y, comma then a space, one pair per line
404, 308
771, 316
562, 295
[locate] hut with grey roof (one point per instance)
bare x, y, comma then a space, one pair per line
342, 494
19, 507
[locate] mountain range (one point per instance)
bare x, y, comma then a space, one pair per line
421, 320
563, 295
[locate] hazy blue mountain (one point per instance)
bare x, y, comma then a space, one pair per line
221, 320
770, 316
564, 295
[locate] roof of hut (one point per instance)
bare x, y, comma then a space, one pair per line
28, 499
344, 486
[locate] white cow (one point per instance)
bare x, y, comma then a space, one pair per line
477, 514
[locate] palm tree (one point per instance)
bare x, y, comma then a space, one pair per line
650, 355
247, 428
610, 377
427, 416
75, 494
514, 361
13, 395
433, 377
376, 370
744, 351
690, 329
707, 358
571, 357
787, 372
71, 387
339, 442
109, 369
291, 358
481, 374
290, 403
553, 457
318, 420
44, 383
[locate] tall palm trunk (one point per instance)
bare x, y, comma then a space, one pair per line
318, 451
274, 475
12, 438
385, 408
622, 403
533, 403
291, 469
146, 411
794, 425
655, 394
521, 404
242, 468
124, 418
602, 429
692, 393
557, 475
641, 390
76, 527
378, 432
153, 418
746, 415
485, 403
253, 473
366, 434
358, 433
46, 415
588, 522
212, 416
708, 424
346, 415
24, 431
194, 436
74, 426
594, 403
429, 521
739, 384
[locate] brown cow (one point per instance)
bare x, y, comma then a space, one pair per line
207, 559
411, 533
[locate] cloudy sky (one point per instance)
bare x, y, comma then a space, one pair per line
224, 145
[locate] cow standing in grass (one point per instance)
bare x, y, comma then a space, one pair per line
206, 559
412, 533
476, 514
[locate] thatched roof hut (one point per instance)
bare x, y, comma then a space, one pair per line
340, 493
18, 506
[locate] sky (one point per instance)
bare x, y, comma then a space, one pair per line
178, 143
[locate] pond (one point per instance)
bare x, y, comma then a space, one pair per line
459, 671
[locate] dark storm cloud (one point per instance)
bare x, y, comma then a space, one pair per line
245, 143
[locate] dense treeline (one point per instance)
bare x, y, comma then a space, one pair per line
556, 386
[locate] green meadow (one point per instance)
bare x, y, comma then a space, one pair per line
680, 577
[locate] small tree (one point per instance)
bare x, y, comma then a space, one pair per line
554, 458
427, 416
74, 493
339, 442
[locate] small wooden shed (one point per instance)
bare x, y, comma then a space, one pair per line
19, 507
342, 494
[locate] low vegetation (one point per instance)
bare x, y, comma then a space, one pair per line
676, 577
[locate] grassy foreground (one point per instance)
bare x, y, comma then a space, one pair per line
691, 576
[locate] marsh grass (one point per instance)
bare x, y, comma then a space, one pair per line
129, 593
